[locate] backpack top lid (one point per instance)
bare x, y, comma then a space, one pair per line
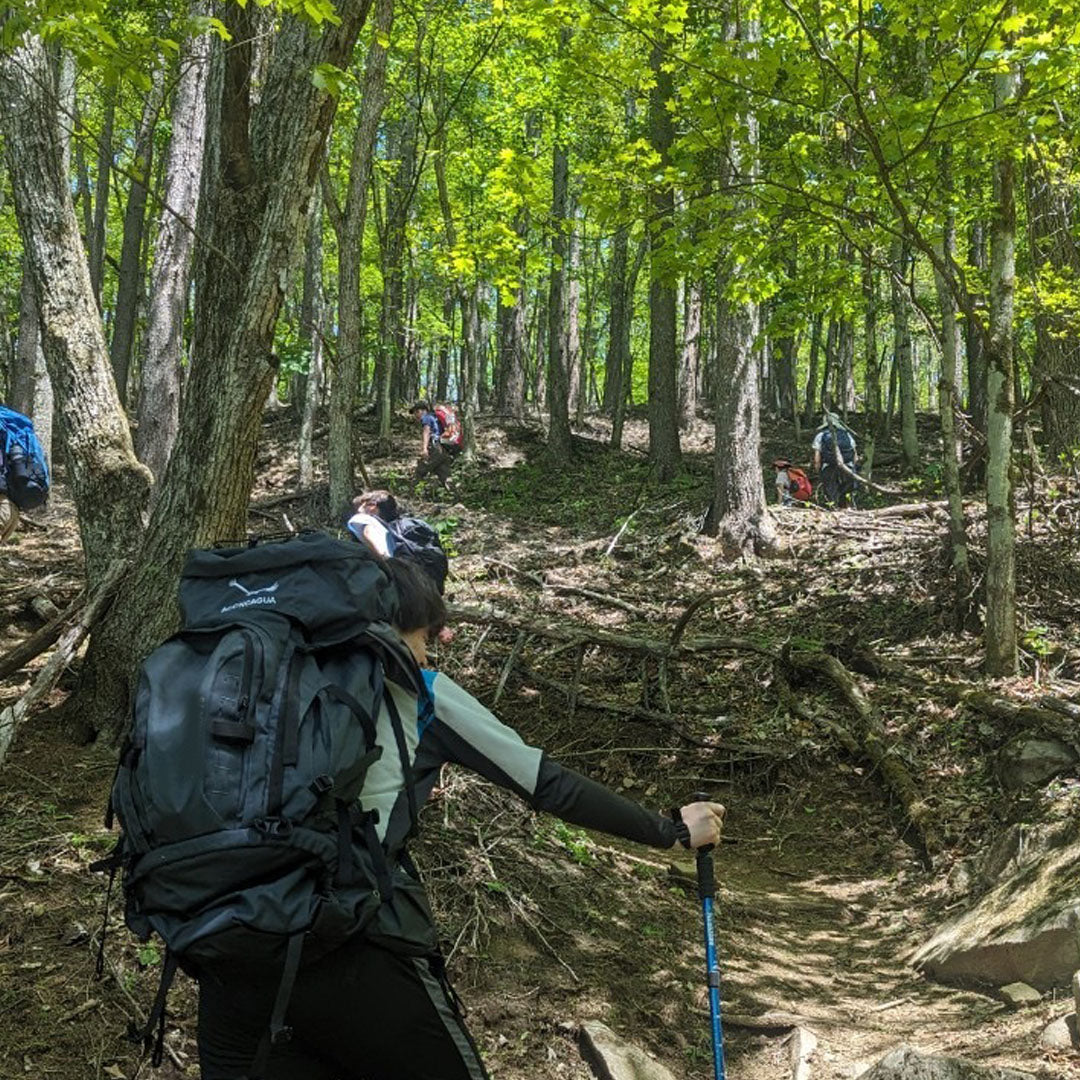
331, 588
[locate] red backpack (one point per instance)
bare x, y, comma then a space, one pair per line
799, 486
451, 433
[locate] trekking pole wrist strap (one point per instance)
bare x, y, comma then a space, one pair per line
682, 830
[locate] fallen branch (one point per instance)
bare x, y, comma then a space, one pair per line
638, 712
871, 740
40, 640
1053, 714
576, 634
573, 590
69, 643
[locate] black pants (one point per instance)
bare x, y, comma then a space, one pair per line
837, 486
362, 1013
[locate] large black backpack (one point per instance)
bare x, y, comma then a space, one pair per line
253, 730
844, 442
416, 541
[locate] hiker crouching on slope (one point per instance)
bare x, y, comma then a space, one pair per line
380, 1007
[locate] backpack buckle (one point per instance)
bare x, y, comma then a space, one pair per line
277, 828
281, 1035
321, 785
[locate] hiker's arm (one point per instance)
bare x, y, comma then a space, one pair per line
425, 441
375, 538
472, 736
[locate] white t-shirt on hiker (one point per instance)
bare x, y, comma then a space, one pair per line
371, 530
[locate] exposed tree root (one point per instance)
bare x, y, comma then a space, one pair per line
871, 742
39, 641
47, 678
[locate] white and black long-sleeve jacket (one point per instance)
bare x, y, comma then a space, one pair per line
459, 729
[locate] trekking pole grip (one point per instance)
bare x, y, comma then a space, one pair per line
706, 875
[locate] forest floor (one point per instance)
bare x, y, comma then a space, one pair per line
822, 898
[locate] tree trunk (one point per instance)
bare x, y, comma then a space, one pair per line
977, 404
577, 384
262, 160
510, 385
691, 354
311, 331
130, 276
902, 348
1051, 198
816, 323
738, 516
109, 485
170, 277
947, 398
96, 240
1000, 633
616, 317
873, 361
664, 450
346, 359
399, 194
560, 446
442, 374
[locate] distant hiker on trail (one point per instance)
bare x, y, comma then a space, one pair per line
435, 459
24, 472
274, 862
837, 485
379, 523
792, 484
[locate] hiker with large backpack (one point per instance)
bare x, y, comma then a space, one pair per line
434, 459
24, 470
835, 459
281, 746
378, 522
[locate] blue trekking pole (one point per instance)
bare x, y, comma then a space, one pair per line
706, 882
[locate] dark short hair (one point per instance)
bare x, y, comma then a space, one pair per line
385, 504
420, 607
425, 405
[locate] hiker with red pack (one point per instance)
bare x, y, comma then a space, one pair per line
792, 483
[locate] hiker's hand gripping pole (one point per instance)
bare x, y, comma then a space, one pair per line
706, 881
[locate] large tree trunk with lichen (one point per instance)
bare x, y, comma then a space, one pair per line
109, 485
262, 160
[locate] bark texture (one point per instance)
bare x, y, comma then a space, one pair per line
664, 450
345, 362
1000, 632
559, 443
109, 485
170, 277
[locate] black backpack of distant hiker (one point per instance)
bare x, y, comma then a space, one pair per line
843, 440
252, 732
416, 541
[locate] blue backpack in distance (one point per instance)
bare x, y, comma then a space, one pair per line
24, 472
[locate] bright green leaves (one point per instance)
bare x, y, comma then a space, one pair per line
329, 78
